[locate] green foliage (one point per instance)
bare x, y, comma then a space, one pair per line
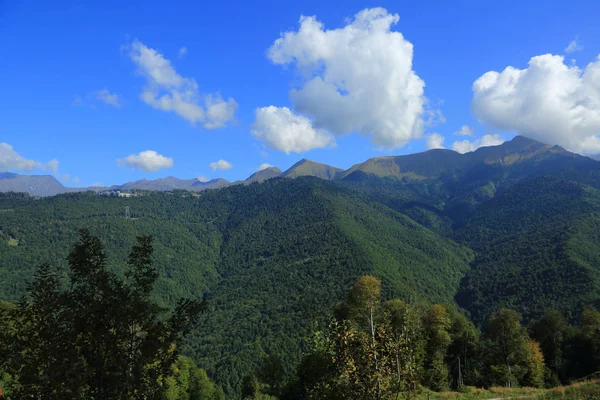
101, 337
513, 226
188, 382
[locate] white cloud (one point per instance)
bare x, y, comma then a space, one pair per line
435, 141
549, 101
148, 161
465, 146
108, 98
264, 166
202, 178
220, 165
358, 78
182, 52
11, 160
574, 46
281, 129
166, 90
464, 131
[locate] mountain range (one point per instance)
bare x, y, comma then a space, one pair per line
515, 225
420, 166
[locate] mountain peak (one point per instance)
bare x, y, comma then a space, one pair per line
263, 175
307, 167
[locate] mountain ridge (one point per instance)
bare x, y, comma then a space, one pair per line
427, 165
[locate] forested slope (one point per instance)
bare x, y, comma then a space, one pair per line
537, 246
273, 258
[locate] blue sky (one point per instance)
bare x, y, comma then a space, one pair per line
73, 79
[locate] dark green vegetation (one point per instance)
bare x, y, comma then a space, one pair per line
96, 336
374, 349
511, 226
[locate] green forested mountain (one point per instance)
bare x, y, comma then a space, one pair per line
512, 226
273, 258
537, 248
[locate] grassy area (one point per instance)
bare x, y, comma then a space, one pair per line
579, 391
588, 390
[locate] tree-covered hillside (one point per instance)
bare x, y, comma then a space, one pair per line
537, 248
272, 258
511, 226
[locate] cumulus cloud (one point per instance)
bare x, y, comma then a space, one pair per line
264, 166
549, 101
281, 129
10, 160
465, 146
574, 46
166, 90
182, 52
464, 131
202, 178
357, 78
107, 97
148, 161
435, 141
220, 165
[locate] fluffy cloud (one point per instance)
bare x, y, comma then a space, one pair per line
549, 101
465, 146
11, 160
435, 141
281, 129
264, 166
464, 131
358, 78
220, 165
148, 161
574, 46
166, 90
202, 178
108, 98
182, 52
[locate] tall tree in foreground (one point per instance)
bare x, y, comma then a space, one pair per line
437, 326
102, 337
550, 331
510, 350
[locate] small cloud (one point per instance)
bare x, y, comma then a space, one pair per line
435, 141
464, 131
182, 52
11, 160
281, 129
465, 146
220, 165
574, 46
202, 178
103, 96
75, 180
107, 97
148, 161
166, 90
264, 166
65, 177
